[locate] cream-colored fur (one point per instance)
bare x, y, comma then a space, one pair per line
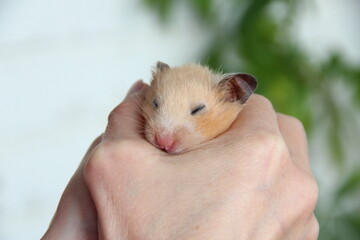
177, 91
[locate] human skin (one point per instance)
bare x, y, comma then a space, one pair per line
252, 182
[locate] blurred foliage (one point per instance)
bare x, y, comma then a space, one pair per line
256, 36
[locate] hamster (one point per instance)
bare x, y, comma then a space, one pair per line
188, 105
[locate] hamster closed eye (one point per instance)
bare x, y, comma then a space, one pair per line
188, 105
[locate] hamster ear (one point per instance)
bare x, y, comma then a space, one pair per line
160, 66
237, 87
158, 69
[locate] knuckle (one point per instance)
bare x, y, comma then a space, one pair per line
295, 123
263, 101
307, 192
109, 155
271, 152
118, 111
102, 153
270, 143
94, 166
312, 193
314, 229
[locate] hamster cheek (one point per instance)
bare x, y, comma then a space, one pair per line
149, 132
189, 137
216, 122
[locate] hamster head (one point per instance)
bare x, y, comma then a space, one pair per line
188, 105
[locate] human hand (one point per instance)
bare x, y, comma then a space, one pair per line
252, 182
76, 216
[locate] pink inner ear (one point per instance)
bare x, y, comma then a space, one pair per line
245, 89
238, 87
249, 79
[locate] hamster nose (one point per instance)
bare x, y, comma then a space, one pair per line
164, 140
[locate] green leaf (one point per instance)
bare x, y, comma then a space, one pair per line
349, 186
335, 144
205, 9
354, 222
162, 7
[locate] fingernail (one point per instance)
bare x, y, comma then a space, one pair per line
136, 87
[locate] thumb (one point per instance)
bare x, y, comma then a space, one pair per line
126, 119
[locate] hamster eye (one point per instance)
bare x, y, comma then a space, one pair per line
197, 109
155, 103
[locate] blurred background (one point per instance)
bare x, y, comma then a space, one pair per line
64, 65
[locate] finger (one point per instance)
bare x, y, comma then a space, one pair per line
126, 119
294, 136
313, 229
308, 230
257, 114
94, 144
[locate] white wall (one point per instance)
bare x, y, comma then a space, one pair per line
63, 66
